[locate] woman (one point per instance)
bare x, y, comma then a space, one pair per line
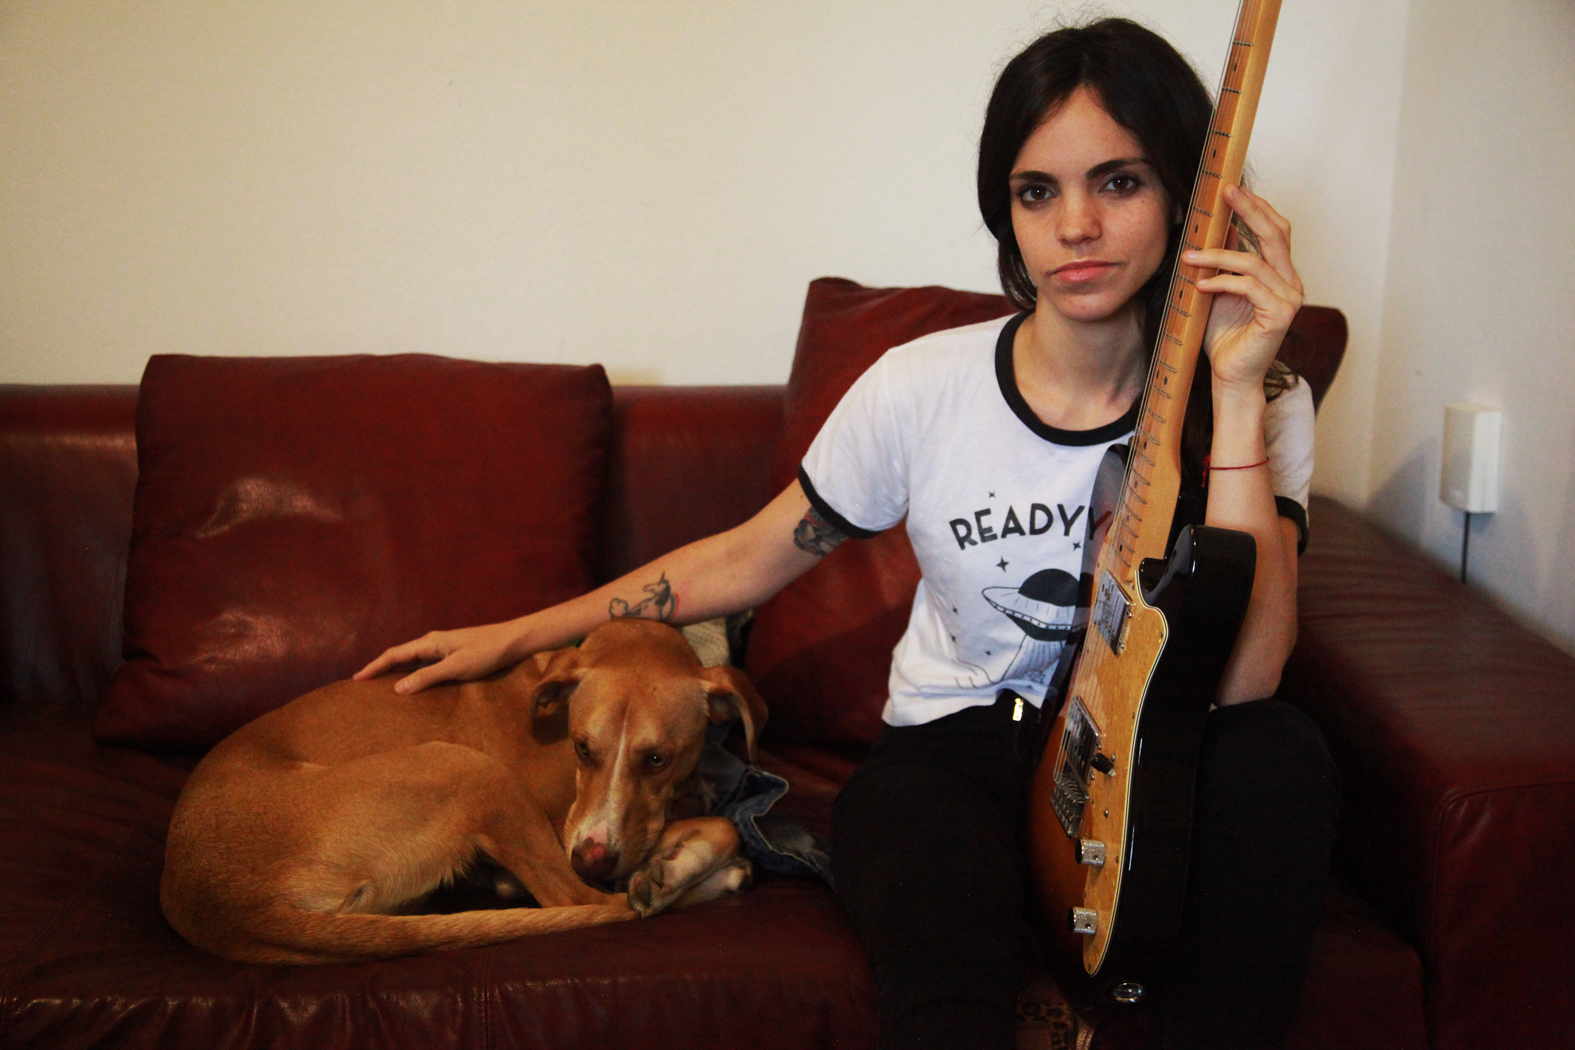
1086, 162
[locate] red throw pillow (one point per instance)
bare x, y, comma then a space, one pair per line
296, 516
820, 651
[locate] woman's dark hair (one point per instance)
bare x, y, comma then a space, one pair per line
1152, 92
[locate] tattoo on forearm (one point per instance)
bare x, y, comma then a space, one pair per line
660, 604
815, 535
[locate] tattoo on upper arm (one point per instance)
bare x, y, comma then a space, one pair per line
660, 604
815, 535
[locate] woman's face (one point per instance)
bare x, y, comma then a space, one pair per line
1088, 210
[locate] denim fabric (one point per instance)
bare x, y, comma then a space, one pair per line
744, 794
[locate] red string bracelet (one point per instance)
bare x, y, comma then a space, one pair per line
1207, 467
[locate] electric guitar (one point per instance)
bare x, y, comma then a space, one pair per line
1110, 810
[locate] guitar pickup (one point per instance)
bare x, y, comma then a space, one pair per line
1112, 612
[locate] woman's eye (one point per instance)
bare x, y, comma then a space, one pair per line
1123, 185
1034, 193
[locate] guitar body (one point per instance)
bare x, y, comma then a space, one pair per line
1179, 636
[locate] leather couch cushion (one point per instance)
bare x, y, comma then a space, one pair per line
820, 651
295, 516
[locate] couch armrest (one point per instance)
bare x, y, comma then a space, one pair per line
68, 470
1454, 728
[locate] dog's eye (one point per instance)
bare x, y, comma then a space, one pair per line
582, 750
656, 761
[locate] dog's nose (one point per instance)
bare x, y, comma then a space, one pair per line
594, 862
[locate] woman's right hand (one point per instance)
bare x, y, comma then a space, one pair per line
462, 655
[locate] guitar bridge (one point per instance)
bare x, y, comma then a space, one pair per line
1112, 612
1079, 745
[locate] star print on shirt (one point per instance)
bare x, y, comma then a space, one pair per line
1002, 564
1077, 546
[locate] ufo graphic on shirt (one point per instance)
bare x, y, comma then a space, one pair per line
1043, 606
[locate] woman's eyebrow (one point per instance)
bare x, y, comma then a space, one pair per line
1111, 165
1031, 176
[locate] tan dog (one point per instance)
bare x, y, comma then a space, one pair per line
303, 836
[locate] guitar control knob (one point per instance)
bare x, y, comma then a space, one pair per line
1103, 762
1085, 921
1128, 992
1091, 852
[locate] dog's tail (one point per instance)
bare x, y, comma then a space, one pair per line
299, 937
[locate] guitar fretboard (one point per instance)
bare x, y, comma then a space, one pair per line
1141, 528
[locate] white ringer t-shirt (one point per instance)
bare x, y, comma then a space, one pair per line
996, 504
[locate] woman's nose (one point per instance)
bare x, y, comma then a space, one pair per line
1079, 219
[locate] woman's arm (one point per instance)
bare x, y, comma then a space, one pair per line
721, 574
1257, 296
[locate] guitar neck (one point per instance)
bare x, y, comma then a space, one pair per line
1143, 516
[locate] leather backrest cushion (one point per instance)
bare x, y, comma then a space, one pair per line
296, 516
820, 651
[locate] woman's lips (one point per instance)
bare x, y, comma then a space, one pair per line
1082, 271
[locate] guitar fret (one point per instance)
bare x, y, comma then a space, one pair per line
1211, 174
1183, 276
1217, 131
1157, 390
1242, 43
1194, 247
1144, 458
1179, 310
1232, 90
1202, 211
1178, 342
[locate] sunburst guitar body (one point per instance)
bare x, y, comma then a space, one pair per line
1110, 810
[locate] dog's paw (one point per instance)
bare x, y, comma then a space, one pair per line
690, 866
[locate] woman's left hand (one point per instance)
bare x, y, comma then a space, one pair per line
1256, 295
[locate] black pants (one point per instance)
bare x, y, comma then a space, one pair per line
929, 860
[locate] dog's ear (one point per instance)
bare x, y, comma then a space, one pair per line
730, 695
558, 671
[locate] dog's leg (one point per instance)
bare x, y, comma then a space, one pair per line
694, 861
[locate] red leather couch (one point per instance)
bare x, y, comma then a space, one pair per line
292, 519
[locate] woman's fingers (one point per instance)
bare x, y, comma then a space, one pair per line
419, 649
1246, 264
1277, 310
432, 674
1271, 229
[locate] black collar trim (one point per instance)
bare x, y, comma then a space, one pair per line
1006, 376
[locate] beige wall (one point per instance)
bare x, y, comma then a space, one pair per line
651, 184
1480, 300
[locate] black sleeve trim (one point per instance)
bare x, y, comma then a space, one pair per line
1289, 508
843, 525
